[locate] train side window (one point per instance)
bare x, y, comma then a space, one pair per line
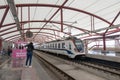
58, 45
69, 46
47, 46
53, 45
63, 45
50, 45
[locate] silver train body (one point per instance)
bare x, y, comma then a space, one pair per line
70, 47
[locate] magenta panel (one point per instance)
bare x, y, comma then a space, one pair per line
19, 53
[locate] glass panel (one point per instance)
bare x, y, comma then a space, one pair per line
79, 45
59, 45
69, 46
63, 45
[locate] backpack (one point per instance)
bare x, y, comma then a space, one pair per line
29, 49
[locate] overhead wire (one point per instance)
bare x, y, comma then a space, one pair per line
104, 8
101, 15
9, 14
64, 10
96, 11
99, 22
51, 10
51, 17
48, 13
9, 11
99, 11
59, 14
85, 8
34, 13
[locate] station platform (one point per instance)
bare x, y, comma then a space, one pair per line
104, 57
15, 69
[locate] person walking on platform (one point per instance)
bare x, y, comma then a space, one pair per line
9, 50
30, 49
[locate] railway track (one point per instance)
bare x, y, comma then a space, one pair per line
61, 74
99, 67
106, 71
112, 67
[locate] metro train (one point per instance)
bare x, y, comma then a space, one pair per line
71, 47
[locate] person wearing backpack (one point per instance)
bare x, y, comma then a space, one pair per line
30, 49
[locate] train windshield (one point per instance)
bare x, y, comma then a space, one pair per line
79, 45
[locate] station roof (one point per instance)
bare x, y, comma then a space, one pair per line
56, 19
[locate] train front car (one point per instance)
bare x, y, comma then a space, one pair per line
79, 45
79, 48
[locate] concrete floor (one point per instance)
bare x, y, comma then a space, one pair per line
15, 69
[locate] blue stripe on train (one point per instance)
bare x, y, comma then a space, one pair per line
69, 52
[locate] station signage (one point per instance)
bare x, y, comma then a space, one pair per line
19, 53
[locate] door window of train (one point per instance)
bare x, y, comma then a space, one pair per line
53, 45
63, 45
79, 44
58, 45
50, 45
69, 46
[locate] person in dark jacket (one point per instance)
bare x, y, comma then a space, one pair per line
9, 50
30, 49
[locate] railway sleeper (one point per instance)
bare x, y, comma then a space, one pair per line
97, 71
62, 75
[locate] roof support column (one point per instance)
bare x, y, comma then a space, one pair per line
61, 12
104, 42
29, 17
104, 38
21, 18
92, 24
22, 26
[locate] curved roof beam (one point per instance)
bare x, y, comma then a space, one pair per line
15, 38
18, 36
58, 6
4, 16
55, 22
25, 22
33, 32
31, 28
52, 17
